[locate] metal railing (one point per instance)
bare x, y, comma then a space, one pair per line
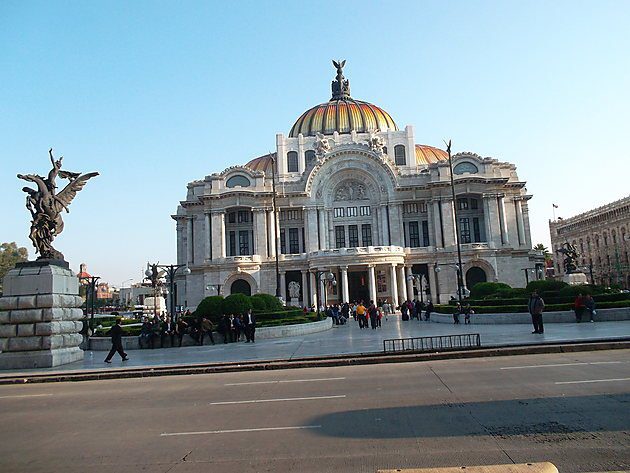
438, 343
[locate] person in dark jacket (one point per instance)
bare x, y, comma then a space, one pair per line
535, 307
116, 333
427, 315
250, 326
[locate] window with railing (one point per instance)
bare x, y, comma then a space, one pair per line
340, 237
294, 241
364, 210
353, 236
464, 230
414, 235
366, 234
351, 211
340, 212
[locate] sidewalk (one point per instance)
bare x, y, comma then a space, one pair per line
342, 339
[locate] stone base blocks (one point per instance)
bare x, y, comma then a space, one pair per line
40, 316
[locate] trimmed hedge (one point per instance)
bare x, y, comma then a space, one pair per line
266, 302
485, 289
522, 308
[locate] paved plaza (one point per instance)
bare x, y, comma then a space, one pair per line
347, 339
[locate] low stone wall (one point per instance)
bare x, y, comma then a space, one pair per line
564, 316
132, 343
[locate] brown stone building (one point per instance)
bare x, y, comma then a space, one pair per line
602, 239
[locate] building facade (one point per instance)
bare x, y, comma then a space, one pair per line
355, 196
602, 239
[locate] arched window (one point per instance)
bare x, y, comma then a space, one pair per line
240, 286
238, 181
466, 166
400, 158
474, 276
292, 161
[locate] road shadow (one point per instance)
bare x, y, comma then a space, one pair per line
577, 416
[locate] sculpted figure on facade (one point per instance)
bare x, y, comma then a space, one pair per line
322, 145
294, 290
571, 255
375, 142
46, 205
351, 190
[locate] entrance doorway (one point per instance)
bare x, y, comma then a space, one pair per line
358, 288
474, 276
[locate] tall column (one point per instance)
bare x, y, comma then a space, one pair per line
323, 233
409, 283
393, 284
305, 301
344, 284
260, 232
372, 282
488, 219
190, 243
395, 224
271, 235
218, 234
437, 224
311, 230
331, 229
448, 222
432, 239
283, 285
376, 234
432, 283
520, 222
207, 238
313, 285
384, 225
402, 287
502, 220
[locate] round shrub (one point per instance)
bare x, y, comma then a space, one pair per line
267, 302
211, 307
236, 304
485, 289
546, 286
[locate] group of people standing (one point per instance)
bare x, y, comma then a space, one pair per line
413, 310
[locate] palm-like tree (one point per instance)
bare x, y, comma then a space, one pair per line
544, 250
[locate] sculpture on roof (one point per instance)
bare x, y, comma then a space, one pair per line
341, 85
46, 205
375, 142
321, 145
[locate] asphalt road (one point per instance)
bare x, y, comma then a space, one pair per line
572, 410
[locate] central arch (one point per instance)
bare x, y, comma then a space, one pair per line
240, 286
474, 276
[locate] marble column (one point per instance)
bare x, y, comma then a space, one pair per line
283, 285
393, 284
207, 238
311, 230
190, 242
313, 285
331, 229
503, 221
372, 282
520, 222
260, 232
432, 283
402, 287
448, 222
409, 283
384, 225
218, 234
490, 219
344, 284
305, 300
271, 235
395, 223
376, 234
323, 232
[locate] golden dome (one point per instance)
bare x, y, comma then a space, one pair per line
262, 163
426, 154
342, 116
342, 113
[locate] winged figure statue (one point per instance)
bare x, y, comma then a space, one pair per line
46, 205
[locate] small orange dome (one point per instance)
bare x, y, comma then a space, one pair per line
426, 154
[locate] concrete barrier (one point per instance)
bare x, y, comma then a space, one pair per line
132, 343
564, 316
520, 468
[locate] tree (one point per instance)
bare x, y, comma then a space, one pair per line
10, 254
544, 250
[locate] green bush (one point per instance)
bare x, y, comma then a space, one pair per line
236, 304
485, 289
210, 307
266, 302
545, 285
280, 314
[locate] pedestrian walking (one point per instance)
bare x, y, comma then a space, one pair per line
250, 326
427, 314
116, 333
456, 314
467, 312
373, 313
361, 315
578, 307
180, 329
536, 306
206, 329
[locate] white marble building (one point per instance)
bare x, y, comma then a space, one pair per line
358, 197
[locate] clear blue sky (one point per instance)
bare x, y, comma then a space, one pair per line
156, 94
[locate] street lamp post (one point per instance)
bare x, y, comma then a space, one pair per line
275, 224
154, 276
418, 279
90, 295
460, 281
329, 280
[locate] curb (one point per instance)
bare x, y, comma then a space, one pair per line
329, 361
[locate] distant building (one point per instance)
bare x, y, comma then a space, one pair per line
135, 294
602, 238
103, 291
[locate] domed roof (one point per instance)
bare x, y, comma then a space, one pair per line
426, 154
342, 113
262, 163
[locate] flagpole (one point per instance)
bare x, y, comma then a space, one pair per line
553, 207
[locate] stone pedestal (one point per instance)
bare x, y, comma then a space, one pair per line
294, 302
575, 279
40, 316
